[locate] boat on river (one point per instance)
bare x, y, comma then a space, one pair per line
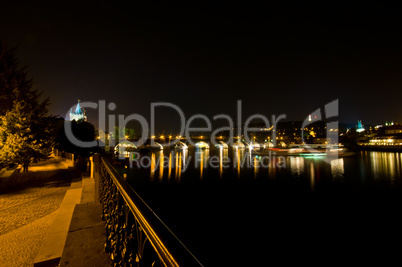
307, 151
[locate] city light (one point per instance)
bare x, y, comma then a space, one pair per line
208, 134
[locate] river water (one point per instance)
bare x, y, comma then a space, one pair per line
235, 208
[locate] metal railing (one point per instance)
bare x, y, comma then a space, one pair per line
135, 236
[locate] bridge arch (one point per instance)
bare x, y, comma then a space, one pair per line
180, 145
254, 146
125, 147
221, 144
238, 144
267, 145
202, 145
156, 146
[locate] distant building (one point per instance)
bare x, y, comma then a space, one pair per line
291, 132
385, 141
389, 135
394, 129
389, 124
78, 114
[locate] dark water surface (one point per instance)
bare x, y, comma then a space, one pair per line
233, 208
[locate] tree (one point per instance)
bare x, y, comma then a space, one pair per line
11, 78
25, 133
349, 139
117, 135
82, 130
121, 134
129, 133
25, 130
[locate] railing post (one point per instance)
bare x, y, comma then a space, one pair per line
95, 173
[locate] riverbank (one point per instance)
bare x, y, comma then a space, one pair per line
29, 203
48, 218
381, 148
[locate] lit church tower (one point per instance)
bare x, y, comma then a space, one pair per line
78, 114
360, 127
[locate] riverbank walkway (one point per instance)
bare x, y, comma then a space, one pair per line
48, 217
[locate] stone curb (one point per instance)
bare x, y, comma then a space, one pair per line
53, 244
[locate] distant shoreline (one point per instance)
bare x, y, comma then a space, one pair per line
381, 148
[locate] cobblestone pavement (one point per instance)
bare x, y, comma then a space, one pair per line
28, 206
20, 246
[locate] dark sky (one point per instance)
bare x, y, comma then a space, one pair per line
204, 56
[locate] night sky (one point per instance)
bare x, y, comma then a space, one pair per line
204, 56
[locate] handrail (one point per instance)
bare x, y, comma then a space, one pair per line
120, 203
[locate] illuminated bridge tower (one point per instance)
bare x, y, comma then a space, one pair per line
78, 114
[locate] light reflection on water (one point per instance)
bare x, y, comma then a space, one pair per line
385, 164
237, 161
152, 168
161, 164
312, 176
256, 164
201, 160
170, 166
191, 185
296, 165
337, 168
223, 163
238, 158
